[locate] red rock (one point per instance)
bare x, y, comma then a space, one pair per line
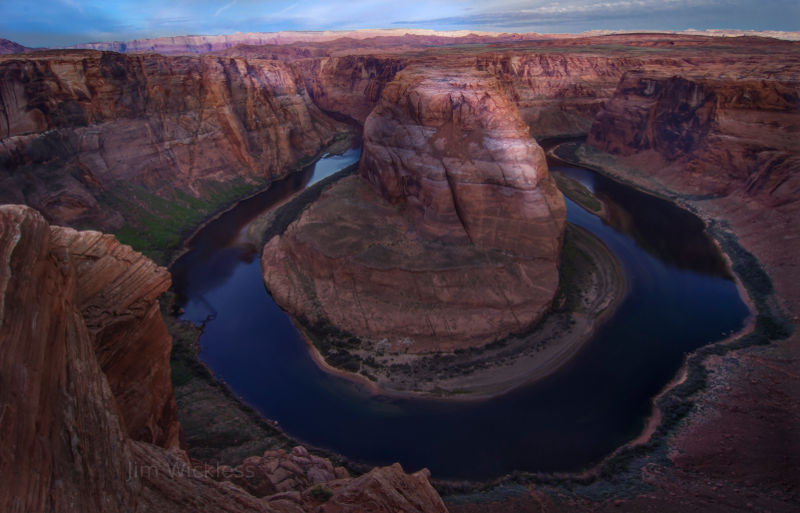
384, 489
471, 223
451, 151
172, 127
117, 293
64, 447
712, 135
63, 426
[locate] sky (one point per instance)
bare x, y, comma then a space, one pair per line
65, 22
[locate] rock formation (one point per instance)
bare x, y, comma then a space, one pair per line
117, 292
7, 47
349, 85
204, 44
86, 409
64, 445
89, 138
467, 244
713, 135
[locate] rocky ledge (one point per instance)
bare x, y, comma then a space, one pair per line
87, 414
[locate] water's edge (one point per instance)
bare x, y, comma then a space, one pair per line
652, 402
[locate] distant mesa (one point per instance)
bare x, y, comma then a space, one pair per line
9, 47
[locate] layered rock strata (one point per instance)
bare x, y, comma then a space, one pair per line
713, 135
450, 236
96, 139
88, 424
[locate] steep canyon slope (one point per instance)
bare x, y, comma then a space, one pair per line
120, 142
87, 415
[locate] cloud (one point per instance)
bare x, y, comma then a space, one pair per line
224, 8
76, 21
580, 15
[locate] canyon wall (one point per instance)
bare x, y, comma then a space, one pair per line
96, 139
350, 85
558, 93
86, 408
471, 224
713, 135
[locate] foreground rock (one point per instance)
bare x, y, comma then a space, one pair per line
448, 239
86, 407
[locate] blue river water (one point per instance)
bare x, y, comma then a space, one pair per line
680, 297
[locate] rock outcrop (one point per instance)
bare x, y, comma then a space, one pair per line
86, 418
97, 139
712, 135
7, 47
117, 294
349, 85
450, 237
64, 445
450, 150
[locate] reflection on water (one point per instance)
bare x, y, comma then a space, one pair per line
221, 246
662, 229
678, 300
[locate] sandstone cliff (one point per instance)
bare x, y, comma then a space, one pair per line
558, 93
86, 409
450, 150
64, 445
449, 239
349, 85
117, 294
712, 135
102, 139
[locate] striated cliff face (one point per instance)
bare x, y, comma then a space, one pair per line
86, 409
350, 85
471, 223
114, 291
90, 138
717, 136
117, 294
558, 93
450, 150
64, 447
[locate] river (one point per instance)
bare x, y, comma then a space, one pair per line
680, 297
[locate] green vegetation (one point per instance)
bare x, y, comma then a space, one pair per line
156, 225
321, 492
288, 213
578, 193
575, 265
218, 427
